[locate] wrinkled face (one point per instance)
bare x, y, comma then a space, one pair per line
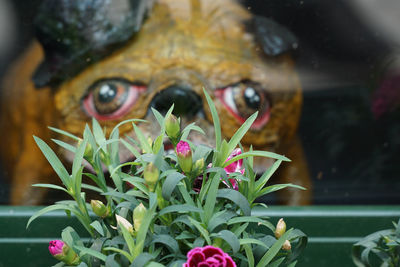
181, 49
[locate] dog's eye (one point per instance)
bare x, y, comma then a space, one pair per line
243, 99
111, 99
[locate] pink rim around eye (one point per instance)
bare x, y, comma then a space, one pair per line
261, 120
90, 109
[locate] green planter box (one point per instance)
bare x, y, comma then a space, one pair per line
331, 230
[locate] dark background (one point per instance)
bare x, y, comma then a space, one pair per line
342, 60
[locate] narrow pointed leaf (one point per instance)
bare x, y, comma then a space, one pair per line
237, 198
234, 141
52, 186
64, 133
270, 254
54, 162
214, 114
231, 239
170, 183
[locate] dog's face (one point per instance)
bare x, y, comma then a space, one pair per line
180, 50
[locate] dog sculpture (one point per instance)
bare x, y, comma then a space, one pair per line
113, 60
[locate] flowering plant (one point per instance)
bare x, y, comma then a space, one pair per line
189, 208
381, 248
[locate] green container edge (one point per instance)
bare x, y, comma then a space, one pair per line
332, 230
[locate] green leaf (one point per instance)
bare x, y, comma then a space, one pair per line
136, 181
276, 187
170, 183
256, 153
65, 145
231, 239
237, 198
181, 208
246, 241
270, 254
249, 255
131, 148
214, 114
83, 251
183, 219
167, 241
267, 175
142, 260
129, 163
124, 122
120, 251
141, 236
128, 239
142, 139
114, 147
71, 237
45, 210
201, 229
189, 128
299, 242
219, 218
158, 144
111, 262
234, 141
211, 197
78, 158
98, 133
97, 226
64, 133
155, 264
252, 219
54, 162
52, 186
276, 263
185, 235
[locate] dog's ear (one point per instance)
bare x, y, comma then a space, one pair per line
74, 34
274, 38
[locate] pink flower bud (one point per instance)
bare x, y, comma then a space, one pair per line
208, 256
56, 247
184, 154
62, 252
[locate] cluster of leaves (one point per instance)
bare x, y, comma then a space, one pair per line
381, 248
176, 217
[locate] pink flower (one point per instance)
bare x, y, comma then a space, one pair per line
208, 256
62, 252
235, 166
184, 155
183, 148
56, 247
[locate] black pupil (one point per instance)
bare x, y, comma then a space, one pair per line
107, 93
252, 98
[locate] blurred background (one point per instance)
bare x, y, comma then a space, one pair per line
349, 65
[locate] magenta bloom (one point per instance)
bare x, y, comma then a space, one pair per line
56, 247
236, 166
208, 256
184, 156
183, 148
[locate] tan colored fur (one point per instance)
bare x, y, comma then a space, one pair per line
200, 43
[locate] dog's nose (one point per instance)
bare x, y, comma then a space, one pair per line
186, 102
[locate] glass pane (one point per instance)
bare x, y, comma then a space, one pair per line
344, 150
